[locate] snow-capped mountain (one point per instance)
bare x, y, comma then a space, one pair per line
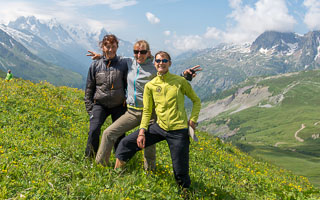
270, 54
301, 50
55, 44
40, 48
52, 33
23, 63
73, 41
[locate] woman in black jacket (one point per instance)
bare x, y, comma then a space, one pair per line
105, 91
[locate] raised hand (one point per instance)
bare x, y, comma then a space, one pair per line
94, 55
192, 71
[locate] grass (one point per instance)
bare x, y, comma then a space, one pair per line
2, 74
43, 133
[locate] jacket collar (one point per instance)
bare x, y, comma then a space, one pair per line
163, 76
147, 62
113, 60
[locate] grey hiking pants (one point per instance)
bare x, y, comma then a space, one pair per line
131, 119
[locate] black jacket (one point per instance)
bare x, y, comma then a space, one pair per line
106, 83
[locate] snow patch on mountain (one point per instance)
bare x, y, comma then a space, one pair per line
318, 50
17, 35
292, 48
263, 50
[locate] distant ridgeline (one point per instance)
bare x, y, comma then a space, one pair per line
271, 53
48, 50
43, 134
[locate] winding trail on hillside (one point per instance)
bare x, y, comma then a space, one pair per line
296, 134
278, 143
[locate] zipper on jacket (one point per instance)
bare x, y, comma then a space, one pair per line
166, 102
134, 86
110, 77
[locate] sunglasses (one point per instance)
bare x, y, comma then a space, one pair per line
163, 61
141, 51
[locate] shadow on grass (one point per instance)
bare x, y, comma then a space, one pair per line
200, 190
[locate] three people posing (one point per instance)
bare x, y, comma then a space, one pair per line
140, 71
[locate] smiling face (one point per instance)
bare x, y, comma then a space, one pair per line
162, 63
110, 50
141, 53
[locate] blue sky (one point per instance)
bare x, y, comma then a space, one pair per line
175, 25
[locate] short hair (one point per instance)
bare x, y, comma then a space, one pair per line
163, 52
142, 42
110, 38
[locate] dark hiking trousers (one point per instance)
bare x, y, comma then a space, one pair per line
98, 117
178, 141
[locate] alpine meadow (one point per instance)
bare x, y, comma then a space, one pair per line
43, 131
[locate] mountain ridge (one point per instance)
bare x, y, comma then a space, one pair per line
270, 54
59, 44
24, 64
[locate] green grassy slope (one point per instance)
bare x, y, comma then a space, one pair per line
2, 74
269, 133
43, 132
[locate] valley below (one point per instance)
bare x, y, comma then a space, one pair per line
275, 119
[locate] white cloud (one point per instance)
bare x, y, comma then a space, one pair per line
312, 17
252, 21
245, 24
167, 33
235, 3
10, 11
190, 42
214, 33
152, 18
113, 4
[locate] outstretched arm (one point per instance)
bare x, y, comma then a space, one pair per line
94, 55
196, 103
191, 72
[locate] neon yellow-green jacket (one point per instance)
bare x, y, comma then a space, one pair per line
9, 76
166, 93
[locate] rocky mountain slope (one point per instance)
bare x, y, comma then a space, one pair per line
27, 65
271, 53
73, 41
58, 44
40, 48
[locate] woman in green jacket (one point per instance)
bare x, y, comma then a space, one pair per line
165, 93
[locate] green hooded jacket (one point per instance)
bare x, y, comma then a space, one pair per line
166, 93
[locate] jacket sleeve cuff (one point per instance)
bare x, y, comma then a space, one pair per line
143, 127
194, 119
